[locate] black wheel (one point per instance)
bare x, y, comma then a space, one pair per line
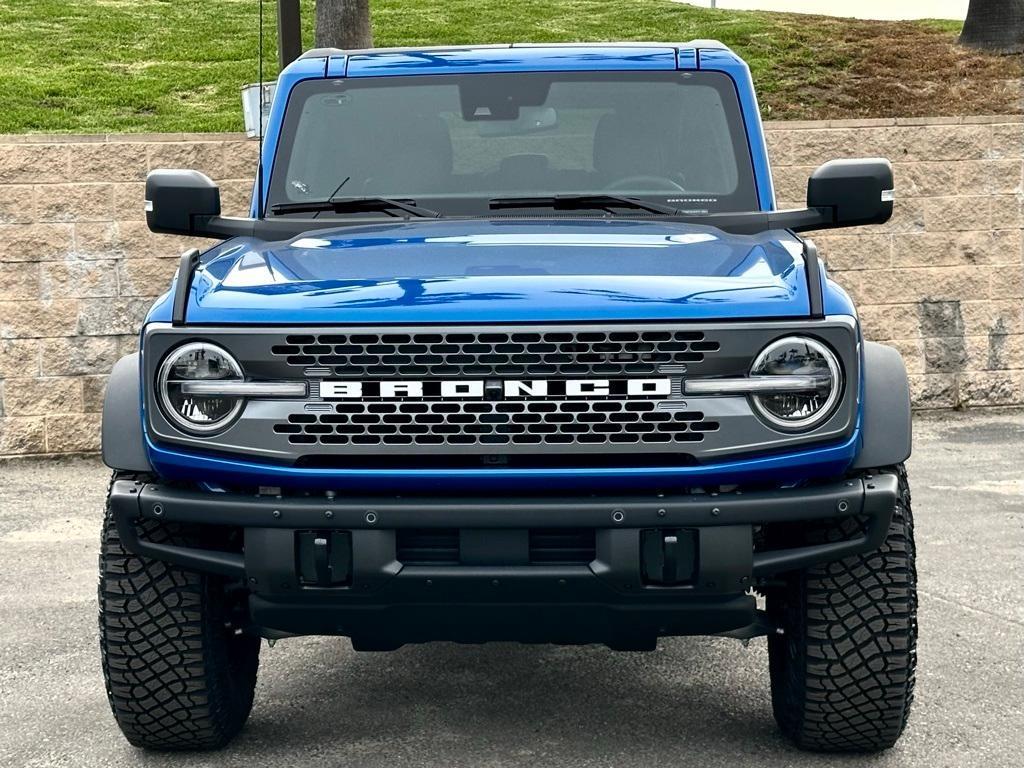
842, 672
178, 675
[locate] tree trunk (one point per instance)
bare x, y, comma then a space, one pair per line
995, 25
343, 24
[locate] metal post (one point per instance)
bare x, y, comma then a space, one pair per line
289, 32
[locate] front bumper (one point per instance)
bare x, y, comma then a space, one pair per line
491, 589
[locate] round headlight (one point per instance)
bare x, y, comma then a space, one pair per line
801, 408
197, 413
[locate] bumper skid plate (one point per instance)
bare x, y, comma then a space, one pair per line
616, 570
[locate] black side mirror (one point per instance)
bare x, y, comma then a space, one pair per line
179, 202
858, 191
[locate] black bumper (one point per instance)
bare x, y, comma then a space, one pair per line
640, 567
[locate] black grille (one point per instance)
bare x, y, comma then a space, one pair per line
512, 353
476, 423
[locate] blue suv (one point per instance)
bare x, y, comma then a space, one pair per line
514, 345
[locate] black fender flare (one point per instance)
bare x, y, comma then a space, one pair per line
123, 444
887, 422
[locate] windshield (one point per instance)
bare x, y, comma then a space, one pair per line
456, 143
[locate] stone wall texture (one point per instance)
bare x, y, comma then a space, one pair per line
943, 281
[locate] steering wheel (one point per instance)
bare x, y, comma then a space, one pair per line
658, 182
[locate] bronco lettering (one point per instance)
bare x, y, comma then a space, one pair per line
463, 389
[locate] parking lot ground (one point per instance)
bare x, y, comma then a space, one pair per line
694, 702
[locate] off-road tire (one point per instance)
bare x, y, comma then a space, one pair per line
177, 675
842, 672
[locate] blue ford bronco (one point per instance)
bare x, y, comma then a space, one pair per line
514, 345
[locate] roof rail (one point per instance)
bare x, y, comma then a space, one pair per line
322, 53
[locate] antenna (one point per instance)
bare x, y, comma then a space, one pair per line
261, 123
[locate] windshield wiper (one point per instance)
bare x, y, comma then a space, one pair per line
356, 205
581, 202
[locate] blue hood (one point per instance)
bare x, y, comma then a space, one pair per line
451, 271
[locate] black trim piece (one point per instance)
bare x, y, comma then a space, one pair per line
476, 611
284, 227
879, 500
873, 497
122, 442
188, 505
125, 508
186, 269
887, 425
813, 269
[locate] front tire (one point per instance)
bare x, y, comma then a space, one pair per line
177, 674
842, 671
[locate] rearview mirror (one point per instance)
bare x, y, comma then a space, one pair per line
530, 120
858, 191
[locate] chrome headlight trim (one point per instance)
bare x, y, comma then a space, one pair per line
752, 385
835, 394
163, 382
232, 388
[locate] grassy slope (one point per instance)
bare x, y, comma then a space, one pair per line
177, 65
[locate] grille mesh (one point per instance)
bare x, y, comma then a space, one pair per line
464, 423
464, 353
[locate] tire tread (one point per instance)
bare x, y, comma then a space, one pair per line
843, 673
176, 678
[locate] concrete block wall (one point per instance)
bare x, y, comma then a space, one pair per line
79, 269
943, 282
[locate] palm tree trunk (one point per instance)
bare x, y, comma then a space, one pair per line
343, 24
995, 25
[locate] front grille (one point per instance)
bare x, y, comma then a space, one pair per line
505, 353
554, 396
489, 424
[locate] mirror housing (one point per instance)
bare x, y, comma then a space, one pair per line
176, 199
859, 192
180, 202
840, 193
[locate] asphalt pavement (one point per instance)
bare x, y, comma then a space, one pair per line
694, 702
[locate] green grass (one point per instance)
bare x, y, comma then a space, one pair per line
177, 65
